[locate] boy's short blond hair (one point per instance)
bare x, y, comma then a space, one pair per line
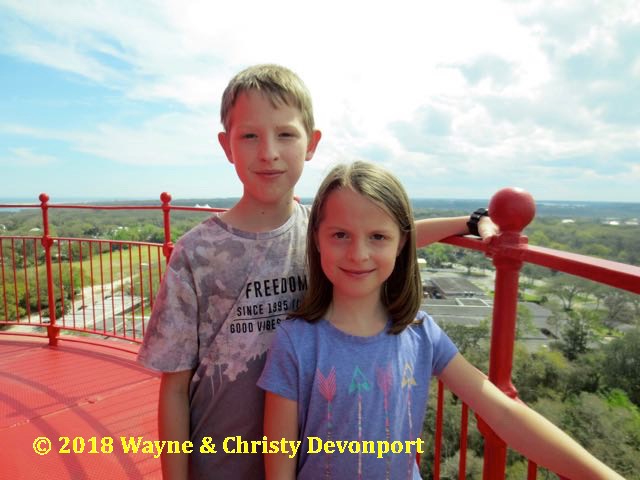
279, 84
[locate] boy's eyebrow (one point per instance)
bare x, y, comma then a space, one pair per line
250, 125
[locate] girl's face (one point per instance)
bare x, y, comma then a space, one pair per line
358, 243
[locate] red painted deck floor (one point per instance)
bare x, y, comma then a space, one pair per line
77, 391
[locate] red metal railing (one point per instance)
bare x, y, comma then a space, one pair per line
107, 288
87, 286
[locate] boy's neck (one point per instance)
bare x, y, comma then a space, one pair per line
251, 216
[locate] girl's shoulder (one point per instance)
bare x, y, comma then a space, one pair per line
297, 327
425, 324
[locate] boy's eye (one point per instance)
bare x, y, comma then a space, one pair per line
378, 236
248, 135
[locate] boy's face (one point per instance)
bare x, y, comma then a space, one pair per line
268, 147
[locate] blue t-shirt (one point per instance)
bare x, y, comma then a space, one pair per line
363, 390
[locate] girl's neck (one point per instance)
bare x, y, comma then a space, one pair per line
364, 319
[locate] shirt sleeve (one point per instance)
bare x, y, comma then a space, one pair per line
443, 347
280, 374
171, 339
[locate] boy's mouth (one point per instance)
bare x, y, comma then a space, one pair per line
269, 173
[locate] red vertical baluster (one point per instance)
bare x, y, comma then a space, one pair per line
14, 268
62, 309
122, 295
93, 297
132, 289
141, 282
464, 426
100, 255
113, 292
149, 274
35, 261
52, 329
72, 292
84, 307
167, 248
438, 433
27, 297
4, 283
512, 210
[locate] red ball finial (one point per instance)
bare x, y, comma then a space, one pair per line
43, 197
512, 209
165, 197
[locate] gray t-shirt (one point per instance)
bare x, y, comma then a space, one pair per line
357, 389
221, 298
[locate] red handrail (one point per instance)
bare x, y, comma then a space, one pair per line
511, 210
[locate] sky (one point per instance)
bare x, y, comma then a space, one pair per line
120, 99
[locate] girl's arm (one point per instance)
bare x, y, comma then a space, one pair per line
521, 427
431, 230
173, 421
280, 421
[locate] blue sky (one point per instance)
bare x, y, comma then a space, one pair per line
120, 99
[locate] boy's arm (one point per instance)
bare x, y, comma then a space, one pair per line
174, 421
521, 427
280, 421
431, 230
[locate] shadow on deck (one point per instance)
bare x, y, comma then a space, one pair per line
74, 390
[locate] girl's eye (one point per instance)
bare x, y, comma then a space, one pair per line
340, 235
378, 236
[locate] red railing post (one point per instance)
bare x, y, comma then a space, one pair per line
512, 210
167, 247
52, 329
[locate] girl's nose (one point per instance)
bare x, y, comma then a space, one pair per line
358, 250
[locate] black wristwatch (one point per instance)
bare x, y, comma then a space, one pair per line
474, 218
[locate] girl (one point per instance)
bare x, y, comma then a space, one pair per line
355, 364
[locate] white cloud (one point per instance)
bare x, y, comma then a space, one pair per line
26, 157
500, 73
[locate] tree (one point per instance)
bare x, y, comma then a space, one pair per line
618, 303
472, 259
566, 288
622, 364
437, 255
467, 337
608, 427
537, 374
576, 333
524, 322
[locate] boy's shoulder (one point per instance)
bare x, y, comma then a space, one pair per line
205, 231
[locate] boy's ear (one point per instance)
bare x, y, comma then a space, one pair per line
313, 144
223, 138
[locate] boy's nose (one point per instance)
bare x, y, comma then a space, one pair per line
268, 151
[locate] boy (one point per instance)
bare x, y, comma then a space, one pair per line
234, 277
